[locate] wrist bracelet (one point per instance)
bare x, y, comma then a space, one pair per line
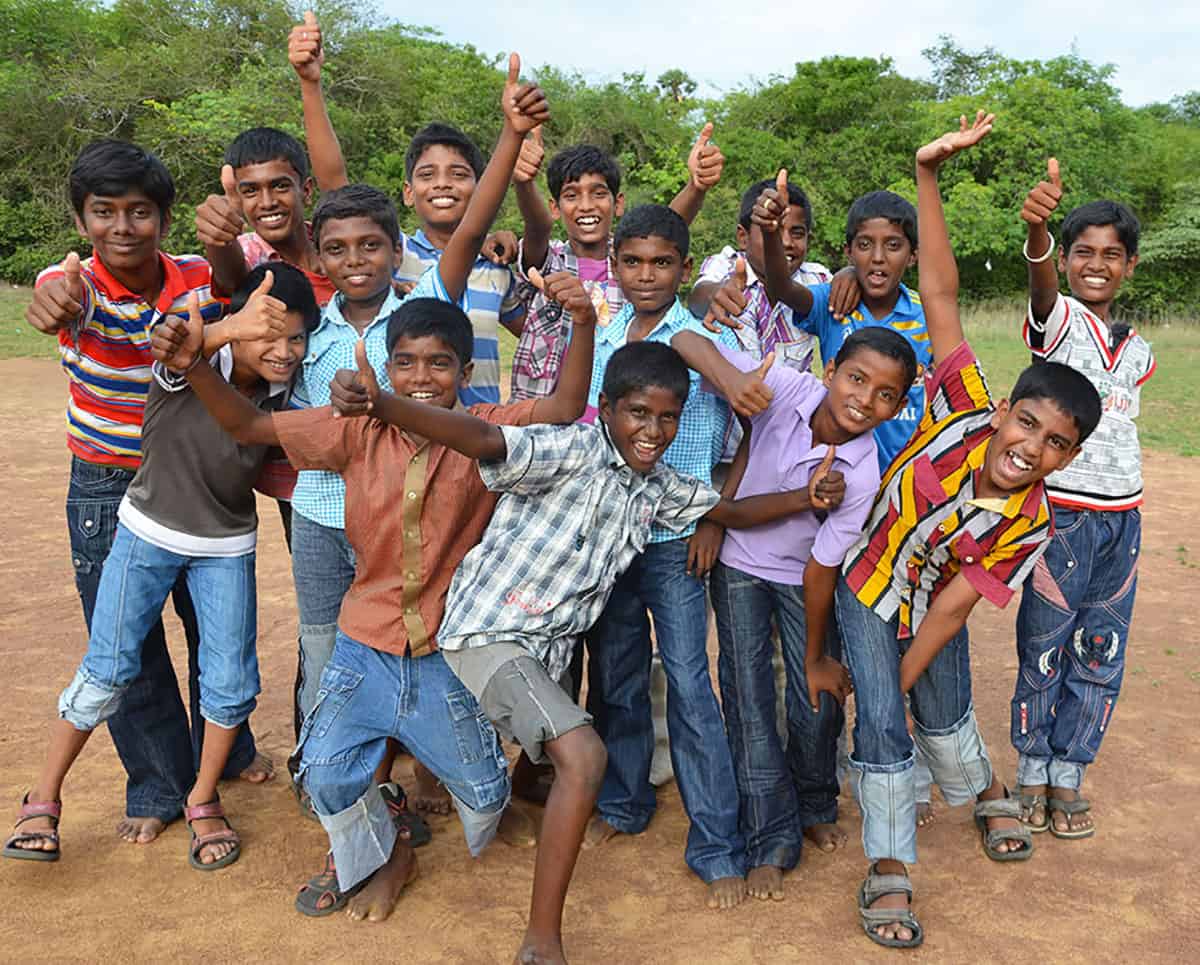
1040, 258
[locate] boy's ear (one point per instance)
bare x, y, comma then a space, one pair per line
80, 226
742, 238
407, 193
554, 212
827, 375
912, 256
1062, 261
464, 375
1000, 412
306, 190
686, 271
1130, 265
619, 205
604, 408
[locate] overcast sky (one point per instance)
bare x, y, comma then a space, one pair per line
725, 45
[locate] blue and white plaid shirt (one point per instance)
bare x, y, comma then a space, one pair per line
705, 421
572, 518
321, 496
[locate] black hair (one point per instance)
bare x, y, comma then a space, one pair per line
289, 284
113, 168
640, 365
885, 341
356, 201
795, 196
882, 204
572, 163
653, 221
419, 317
1069, 389
447, 136
261, 144
1096, 213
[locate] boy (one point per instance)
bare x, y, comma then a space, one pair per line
441, 170
785, 574
579, 501
101, 311
962, 514
188, 514
650, 259
1074, 618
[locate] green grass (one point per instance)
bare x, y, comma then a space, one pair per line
1170, 419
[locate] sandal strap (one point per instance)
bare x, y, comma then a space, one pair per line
872, 917
40, 809
1077, 806
210, 809
216, 837
1007, 807
1021, 834
877, 885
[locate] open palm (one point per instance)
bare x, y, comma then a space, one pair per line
950, 144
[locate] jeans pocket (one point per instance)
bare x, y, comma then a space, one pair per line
473, 732
97, 480
92, 527
337, 686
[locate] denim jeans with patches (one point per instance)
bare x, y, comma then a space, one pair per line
1072, 631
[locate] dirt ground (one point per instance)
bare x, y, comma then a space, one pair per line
1122, 894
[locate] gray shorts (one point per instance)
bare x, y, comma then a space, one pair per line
523, 702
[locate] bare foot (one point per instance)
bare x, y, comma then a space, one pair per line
725, 893
924, 814
598, 832
517, 829
827, 837
429, 795
898, 902
540, 951
765, 881
378, 898
1078, 823
261, 770
137, 830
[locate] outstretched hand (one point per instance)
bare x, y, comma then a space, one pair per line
566, 289
306, 53
353, 392
945, 147
705, 161
728, 301
524, 105
1042, 201
178, 342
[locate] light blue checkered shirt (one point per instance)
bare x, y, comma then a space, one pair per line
321, 496
705, 421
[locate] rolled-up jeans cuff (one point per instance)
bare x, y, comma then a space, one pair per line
316, 647
479, 827
229, 718
1032, 771
957, 758
1066, 774
85, 703
886, 795
361, 836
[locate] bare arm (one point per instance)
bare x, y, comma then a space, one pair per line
746, 392
822, 672
234, 413
945, 617
535, 213
1039, 205
767, 217
569, 399
756, 510
700, 296
307, 55
460, 431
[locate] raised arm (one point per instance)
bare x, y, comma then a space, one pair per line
525, 108
307, 55
1039, 205
746, 392
569, 399
935, 258
535, 213
705, 163
219, 222
767, 218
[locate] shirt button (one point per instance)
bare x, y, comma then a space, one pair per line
411, 575
408, 609
412, 495
941, 527
1070, 563
87, 522
969, 559
411, 534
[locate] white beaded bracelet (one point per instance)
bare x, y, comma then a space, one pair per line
1040, 258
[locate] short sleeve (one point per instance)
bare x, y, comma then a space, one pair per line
685, 499
814, 321
1149, 365
1000, 573
537, 456
955, 384
1044, 338
512, 304
842, 527
314, 439
716, 269
430, 285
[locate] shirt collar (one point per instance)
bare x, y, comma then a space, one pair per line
174, 285
676, 318
1024, 502
907, 308
851, 452
332, 316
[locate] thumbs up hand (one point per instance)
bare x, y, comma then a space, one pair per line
178, 342
827, 487
771, 207
705, 161
729, 301
58, 302
529, 161
306, 52
219, 218
353, 392
566, 289
524, 105
748, 393
1042, 201
263, 316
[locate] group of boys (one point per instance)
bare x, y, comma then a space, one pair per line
452, 555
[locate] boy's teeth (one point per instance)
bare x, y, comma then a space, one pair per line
420, 396
442, 202
1019, 462
587, 222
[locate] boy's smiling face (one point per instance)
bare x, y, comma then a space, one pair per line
587, 208
1034, 438
426, 369
125, 231
273, 197
865, 390
271, 359
1096, 265
794, 233
441, 186
650, 271
880, 253
642, 424
358, 256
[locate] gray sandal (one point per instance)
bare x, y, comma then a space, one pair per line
1080, 805
875, 887
1029, 803
1005, 807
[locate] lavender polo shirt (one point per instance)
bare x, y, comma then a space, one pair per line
783, 457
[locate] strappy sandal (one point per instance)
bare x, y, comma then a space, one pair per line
211, 809
1029, 804
321, 885
29, 811
1079, 805
410, 826
875, 887
1005, 807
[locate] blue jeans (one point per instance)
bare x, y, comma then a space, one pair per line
365, 697
619, 700
944, 728
1072, 630
150, 730
137, 578
782, 791
323, 569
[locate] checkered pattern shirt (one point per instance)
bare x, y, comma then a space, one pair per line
928, 525
319, 495
705, 421
1107, 474
547, 332
767, 327
572, 518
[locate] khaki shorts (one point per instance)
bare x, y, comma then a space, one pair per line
523, 702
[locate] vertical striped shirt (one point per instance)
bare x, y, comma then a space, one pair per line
106, 354
928, 524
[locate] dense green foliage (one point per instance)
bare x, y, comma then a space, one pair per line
183, 77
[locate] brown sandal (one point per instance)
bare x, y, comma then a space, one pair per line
211, 809
29, 811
